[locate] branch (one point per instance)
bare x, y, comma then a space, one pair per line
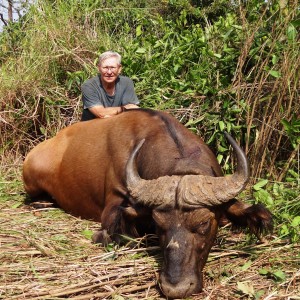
2, 19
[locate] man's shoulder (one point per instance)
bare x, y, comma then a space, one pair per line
91, 81
124, 79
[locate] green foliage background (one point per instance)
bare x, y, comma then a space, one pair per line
216, 65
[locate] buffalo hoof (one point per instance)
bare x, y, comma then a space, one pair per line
41, 204
101, 237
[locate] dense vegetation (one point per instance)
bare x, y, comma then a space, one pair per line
216, 65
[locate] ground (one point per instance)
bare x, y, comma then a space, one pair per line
48, 254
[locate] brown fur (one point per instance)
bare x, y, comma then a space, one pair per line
83, 169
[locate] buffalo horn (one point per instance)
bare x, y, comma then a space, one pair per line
197, 190
158, 192
189, 190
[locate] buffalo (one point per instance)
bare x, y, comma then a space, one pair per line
143, 172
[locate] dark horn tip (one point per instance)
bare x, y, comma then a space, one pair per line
228, 136
243, 167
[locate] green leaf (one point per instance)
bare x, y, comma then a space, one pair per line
263, 271
275, 74
141, 50
296, 221
284, 230
246, 265
176, 67
211, 138
219, 158
110, 247
286, 124
293, 173
263, 196
221, 125
258, 294
87, 233
274, 59
138, 30
260, 184
222, 149
296, 23
16, 205
237, 27
291, 33
279, 275
229, 125
194, 122
276, 189
246, 288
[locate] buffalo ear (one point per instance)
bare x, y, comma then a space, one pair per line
130, 212
133, 212
256, 217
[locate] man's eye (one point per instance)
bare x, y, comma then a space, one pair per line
110, 68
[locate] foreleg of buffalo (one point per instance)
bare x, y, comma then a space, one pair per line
110, 224
101, 237
43, 200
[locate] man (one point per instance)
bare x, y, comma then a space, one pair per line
108, 93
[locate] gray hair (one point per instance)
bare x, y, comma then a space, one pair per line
109, 54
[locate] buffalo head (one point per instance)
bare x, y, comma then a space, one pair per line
186, 210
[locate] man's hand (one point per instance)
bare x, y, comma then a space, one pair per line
130, 106
106, 112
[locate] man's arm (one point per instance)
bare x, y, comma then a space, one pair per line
130, 106
105, 112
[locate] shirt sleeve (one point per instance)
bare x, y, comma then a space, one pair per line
129, 95
91, 95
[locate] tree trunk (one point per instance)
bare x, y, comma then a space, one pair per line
10, 10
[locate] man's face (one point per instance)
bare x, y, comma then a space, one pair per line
109, 70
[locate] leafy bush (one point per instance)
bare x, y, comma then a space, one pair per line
283, 200
215, 65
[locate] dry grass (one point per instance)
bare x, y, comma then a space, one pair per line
46, 254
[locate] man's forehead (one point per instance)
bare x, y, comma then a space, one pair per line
111, 61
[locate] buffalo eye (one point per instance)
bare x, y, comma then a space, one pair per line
161, 219
201, 228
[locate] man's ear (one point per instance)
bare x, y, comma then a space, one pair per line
120, 70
